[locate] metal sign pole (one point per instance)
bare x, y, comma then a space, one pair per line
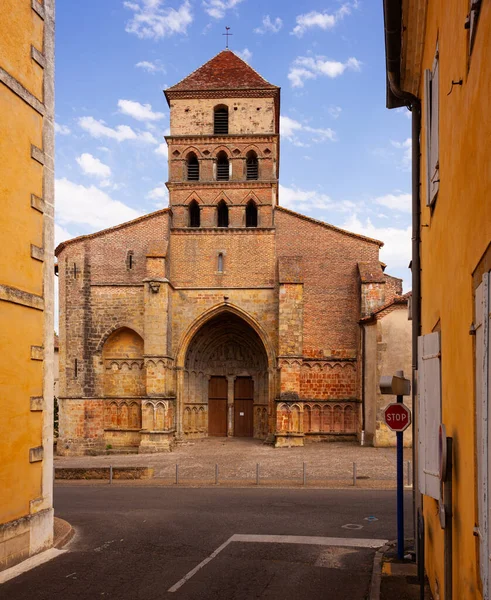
400, 492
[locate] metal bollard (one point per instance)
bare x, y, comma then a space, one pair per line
177, 474
257, 474
110, 474
216, 474
304, 473
354, 474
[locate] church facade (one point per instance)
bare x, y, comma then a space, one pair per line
223, 314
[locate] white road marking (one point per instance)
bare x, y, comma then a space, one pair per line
30, 563
282, 539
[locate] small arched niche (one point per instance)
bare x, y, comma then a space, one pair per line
252, 166
122, 356
222, 214
194, 214
220, 120
192, 167
251, 214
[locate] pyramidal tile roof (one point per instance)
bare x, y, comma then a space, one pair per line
225, 71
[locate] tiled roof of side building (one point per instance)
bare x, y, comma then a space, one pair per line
225, 71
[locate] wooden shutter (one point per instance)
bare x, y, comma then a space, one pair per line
429, 413
434, 141
431, 108
483, 386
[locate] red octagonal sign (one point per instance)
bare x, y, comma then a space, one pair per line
397, 416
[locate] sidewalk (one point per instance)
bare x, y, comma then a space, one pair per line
326, 464
393, 579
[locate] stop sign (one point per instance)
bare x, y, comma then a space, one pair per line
397, 416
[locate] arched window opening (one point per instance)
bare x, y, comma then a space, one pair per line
251, 214
194, 214
223, 169
220, 121
252, 165
222, 214
220, 262
192, 166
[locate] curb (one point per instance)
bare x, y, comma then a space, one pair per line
376, 580
63, 533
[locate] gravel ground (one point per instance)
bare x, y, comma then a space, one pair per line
327, 464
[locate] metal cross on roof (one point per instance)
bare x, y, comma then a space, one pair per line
227, 34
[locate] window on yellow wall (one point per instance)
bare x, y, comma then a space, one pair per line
431, 106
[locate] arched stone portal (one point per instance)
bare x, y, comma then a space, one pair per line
226, 381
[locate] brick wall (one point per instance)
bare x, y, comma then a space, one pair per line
331, 292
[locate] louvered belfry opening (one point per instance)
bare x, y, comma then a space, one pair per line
220, 121
252, 165
251, 214
222, 214
223, 173
194, 214
192, 166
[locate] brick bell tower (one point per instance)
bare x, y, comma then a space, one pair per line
223, 146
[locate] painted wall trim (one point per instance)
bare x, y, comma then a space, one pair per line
36, 403
21, 91
37, 253
37, 202
38, 8
37, 154
16, 296
36, 454
38, 57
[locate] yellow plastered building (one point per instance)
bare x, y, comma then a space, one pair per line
438, 57
26, 278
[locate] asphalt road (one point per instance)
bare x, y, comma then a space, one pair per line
135, 543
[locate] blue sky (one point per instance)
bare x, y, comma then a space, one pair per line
344, 157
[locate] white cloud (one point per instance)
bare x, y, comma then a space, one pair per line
160, 193
140, 112
89, 206
153, 20
162, 149
334, 111
322, 20
406, 147
289, 129
151, 67
245, 55
402, 110
61, 234
310, 201
307, 67
218, 8
62, 129
397, 242
399, 202
269, 26
121, 133
91, 165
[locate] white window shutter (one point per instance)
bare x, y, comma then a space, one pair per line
429, 420
483, 386
427, 109
434, 143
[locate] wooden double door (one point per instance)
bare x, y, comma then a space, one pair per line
243, 407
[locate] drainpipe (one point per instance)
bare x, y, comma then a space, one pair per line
414, 105
393, 32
